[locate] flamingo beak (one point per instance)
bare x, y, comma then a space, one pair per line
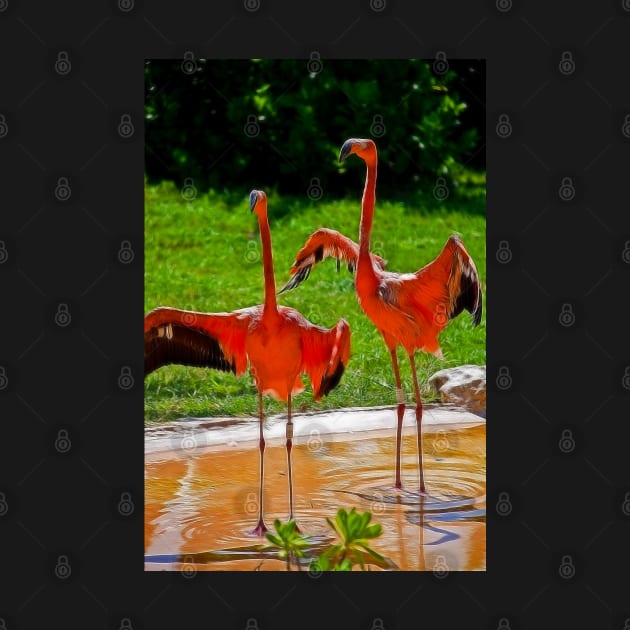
253, 200
346, 149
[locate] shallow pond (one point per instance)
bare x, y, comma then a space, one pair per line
201, 489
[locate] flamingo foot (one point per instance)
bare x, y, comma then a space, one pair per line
260, 529
419, 493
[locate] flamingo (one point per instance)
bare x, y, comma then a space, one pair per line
277, 342
408, 309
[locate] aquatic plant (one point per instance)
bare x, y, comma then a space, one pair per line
353, 530
289, 542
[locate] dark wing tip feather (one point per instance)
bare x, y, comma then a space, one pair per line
469, 295
330, 381
469, 298
299, 277
478, 311
183, 346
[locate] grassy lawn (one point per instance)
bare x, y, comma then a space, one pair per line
205, 255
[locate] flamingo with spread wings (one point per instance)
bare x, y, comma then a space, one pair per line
277, 342
408, 309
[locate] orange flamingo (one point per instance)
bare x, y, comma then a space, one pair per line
277, 341
408, 309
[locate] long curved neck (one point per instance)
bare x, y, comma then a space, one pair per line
367, 206
271, 306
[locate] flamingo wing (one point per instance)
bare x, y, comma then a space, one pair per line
325, 355
449, 284
320, 245
212, 340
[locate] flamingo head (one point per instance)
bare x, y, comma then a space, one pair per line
257, 201
361, 146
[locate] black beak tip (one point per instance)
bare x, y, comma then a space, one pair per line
253, 198
345, 150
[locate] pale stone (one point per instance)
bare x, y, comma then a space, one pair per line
464, 385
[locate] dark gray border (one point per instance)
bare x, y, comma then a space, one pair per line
555, 317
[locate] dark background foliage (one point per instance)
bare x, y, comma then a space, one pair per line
279, 124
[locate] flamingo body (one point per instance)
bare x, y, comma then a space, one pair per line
277, 343
408, 309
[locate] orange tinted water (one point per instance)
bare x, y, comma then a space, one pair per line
200, 506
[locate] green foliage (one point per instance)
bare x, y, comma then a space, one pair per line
289, 542
352, 530
237, 124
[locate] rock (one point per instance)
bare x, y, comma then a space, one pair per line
464, 386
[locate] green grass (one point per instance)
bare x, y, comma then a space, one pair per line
205, 255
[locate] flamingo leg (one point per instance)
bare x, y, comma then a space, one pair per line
289, 434
261, 528
401, 412
418, 419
